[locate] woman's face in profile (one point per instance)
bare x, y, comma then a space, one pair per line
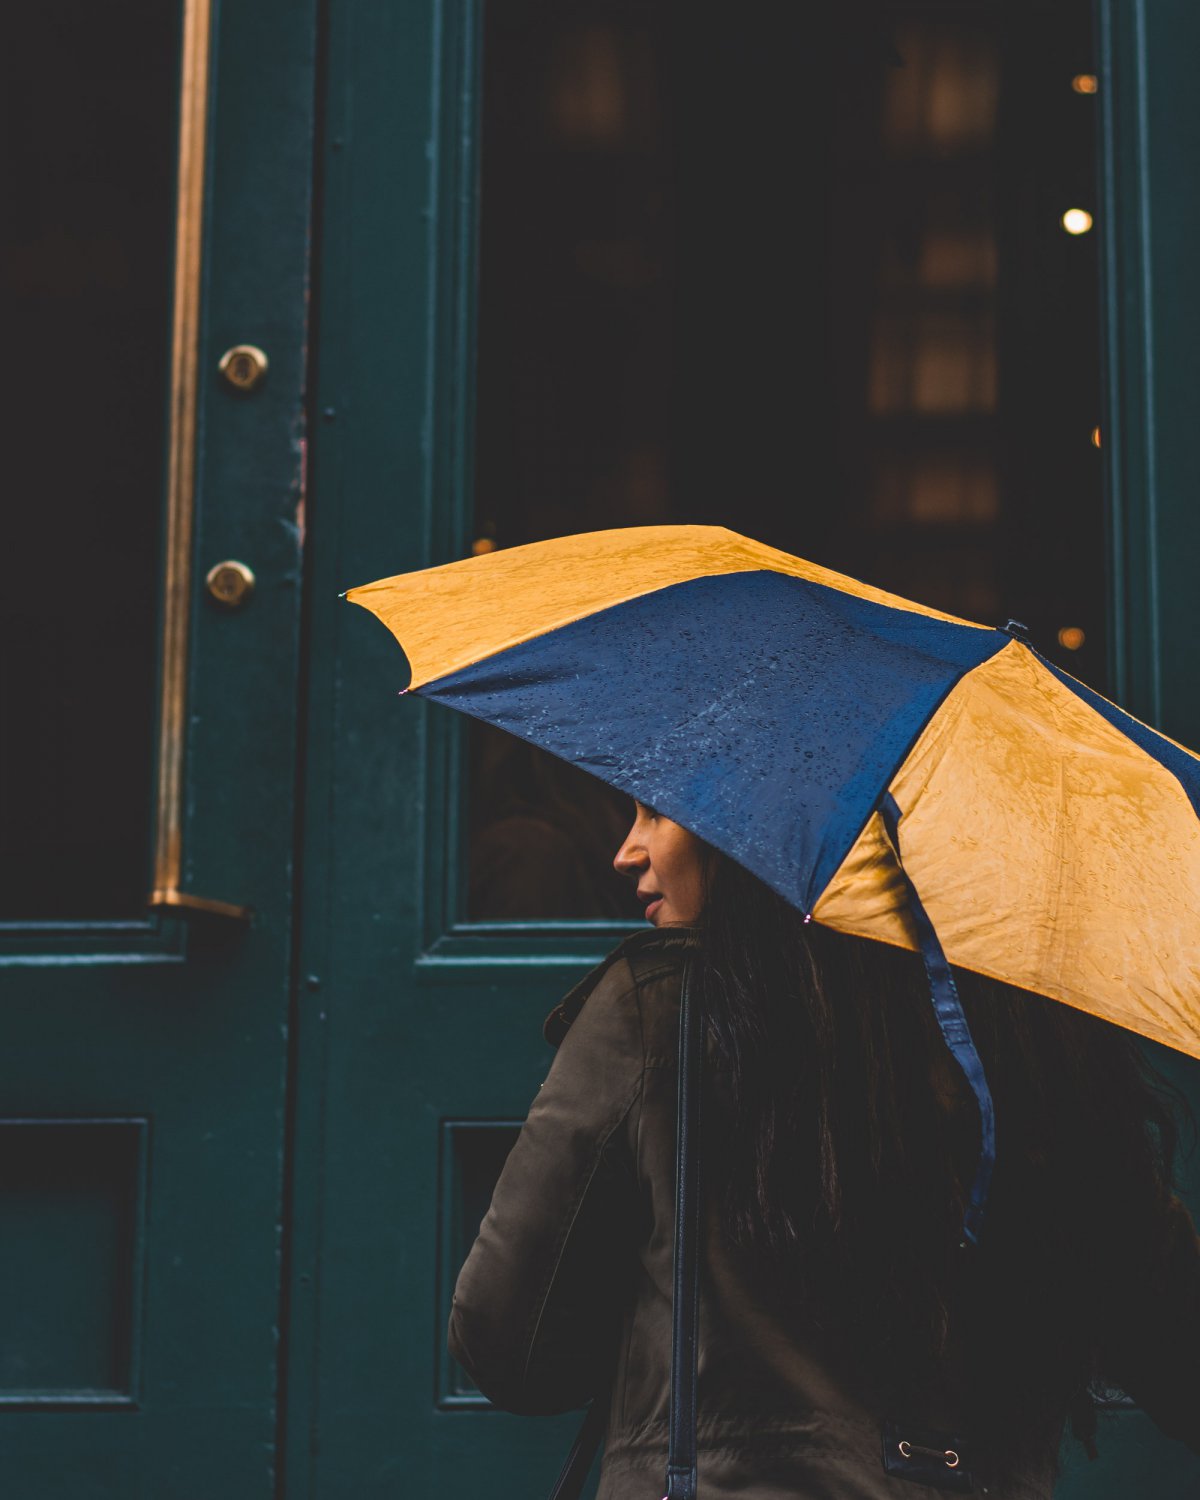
667, 862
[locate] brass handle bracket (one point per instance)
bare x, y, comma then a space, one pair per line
180, 903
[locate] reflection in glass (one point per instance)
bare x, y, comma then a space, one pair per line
88, 93
545, 847
804, 276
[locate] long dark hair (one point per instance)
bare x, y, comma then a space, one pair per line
851, 1138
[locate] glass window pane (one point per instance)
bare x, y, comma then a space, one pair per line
88, 157
803, 277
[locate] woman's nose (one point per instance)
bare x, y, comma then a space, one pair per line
630, 858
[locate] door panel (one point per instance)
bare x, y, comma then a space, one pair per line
410, 1022
419, 1019
1149, 211
142, 1081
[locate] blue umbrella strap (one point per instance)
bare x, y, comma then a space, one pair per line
948, 1008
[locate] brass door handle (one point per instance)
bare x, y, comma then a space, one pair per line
181, 477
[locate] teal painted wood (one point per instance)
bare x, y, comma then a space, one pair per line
147, 1022
1149, 216
1150, 219
410, 1021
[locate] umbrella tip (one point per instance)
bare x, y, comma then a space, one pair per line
1017, 630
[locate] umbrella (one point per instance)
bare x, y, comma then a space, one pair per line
892, 771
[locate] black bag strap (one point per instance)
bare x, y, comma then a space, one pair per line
685, 1307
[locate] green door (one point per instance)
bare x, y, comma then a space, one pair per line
418, 1040
563, 283
277, 943
158, 192
1151, 143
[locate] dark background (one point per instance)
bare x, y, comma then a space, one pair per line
805, 277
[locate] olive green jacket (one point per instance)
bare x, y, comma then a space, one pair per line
567, 1291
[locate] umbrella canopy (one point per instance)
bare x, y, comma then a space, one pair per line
806, 724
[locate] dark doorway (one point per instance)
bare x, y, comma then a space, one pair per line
831, 283
89, 181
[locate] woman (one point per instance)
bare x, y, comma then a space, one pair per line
838, 1136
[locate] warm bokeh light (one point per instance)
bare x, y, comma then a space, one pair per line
1095, 437
483, 544
1084, 83
1071, 637
1077, 221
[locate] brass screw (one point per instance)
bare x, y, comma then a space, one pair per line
229, 583
244, 366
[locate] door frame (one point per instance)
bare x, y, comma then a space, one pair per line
1149, 217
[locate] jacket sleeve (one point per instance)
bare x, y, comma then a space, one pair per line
1153, 1349
539, 1302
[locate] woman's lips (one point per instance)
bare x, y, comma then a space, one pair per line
652, 908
